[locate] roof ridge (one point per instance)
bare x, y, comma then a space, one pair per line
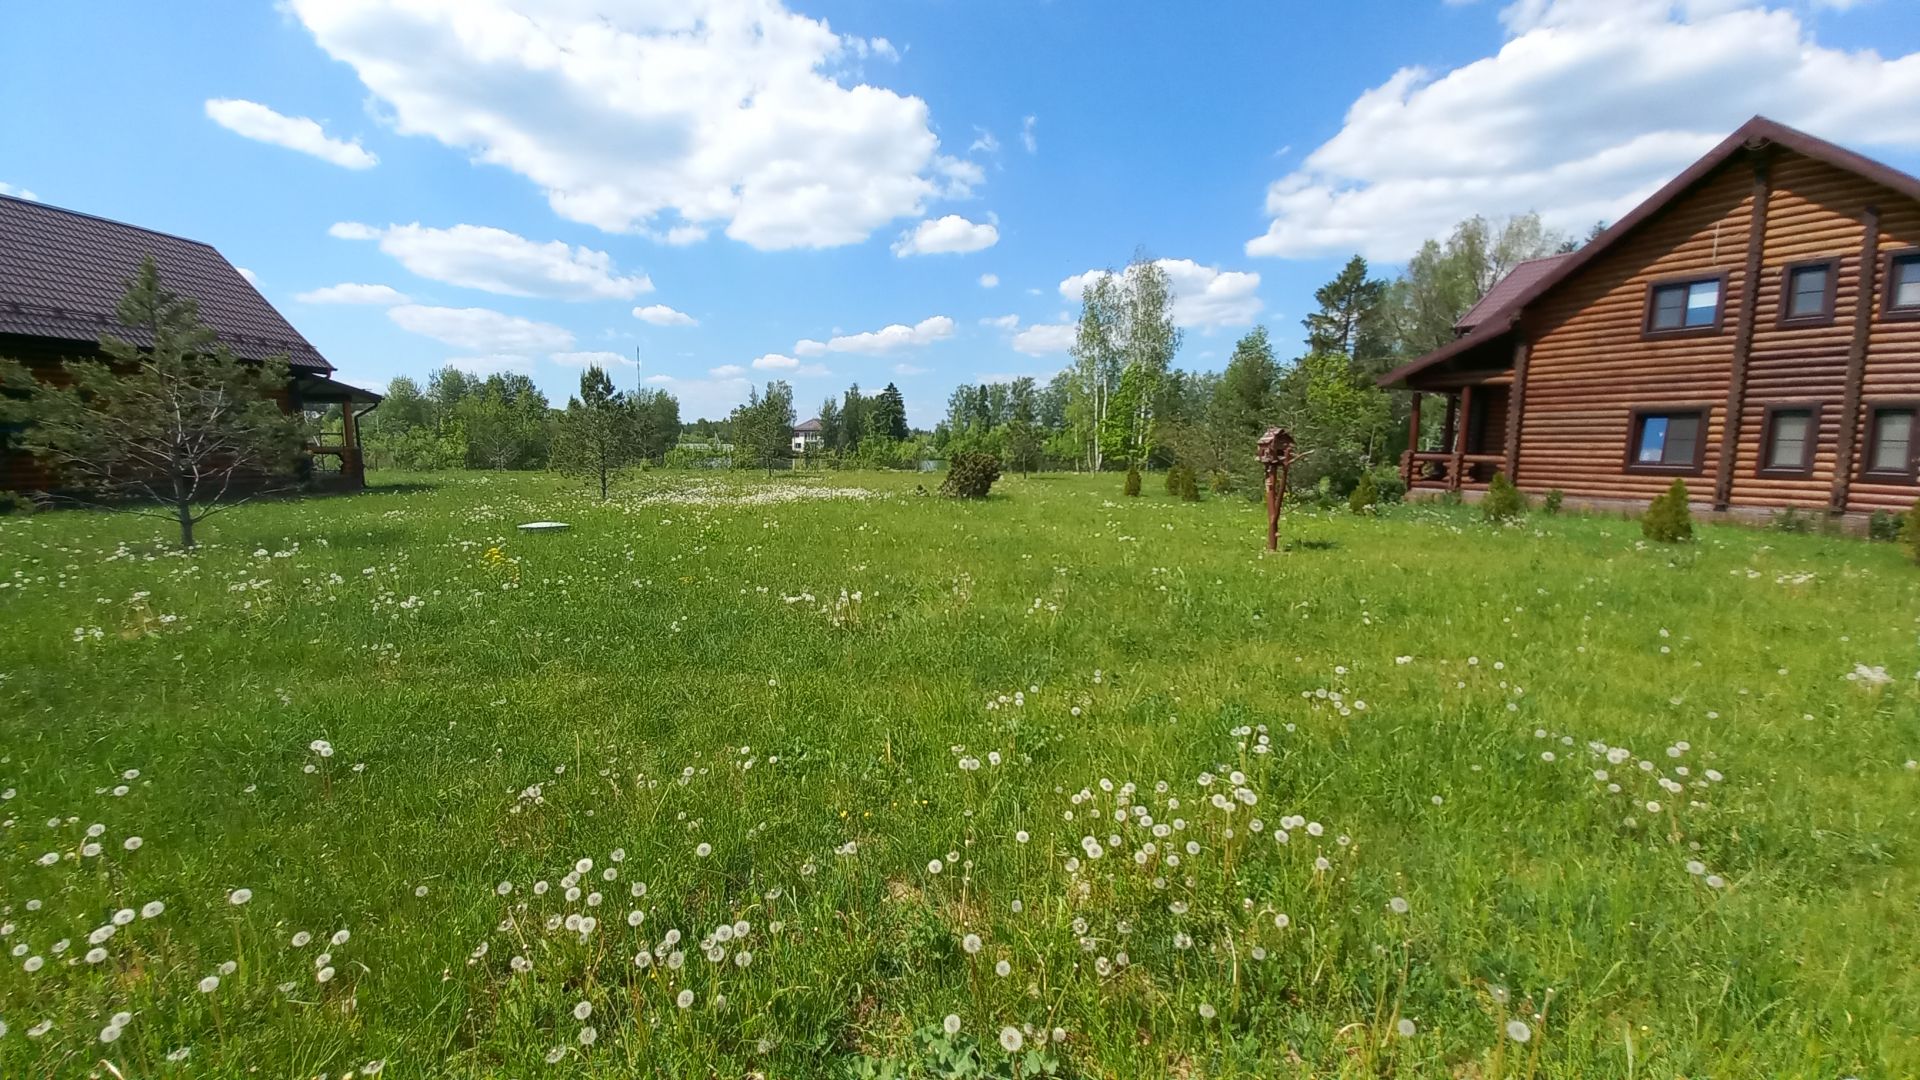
36, 203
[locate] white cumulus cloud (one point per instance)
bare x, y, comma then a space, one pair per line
261, 124
1587, 109
351, 293
482, 329
497, 261
989, 281
1204, 297
655, 117
18, 192
886, 339
950, 235
1044, 339
775, 362
662, 315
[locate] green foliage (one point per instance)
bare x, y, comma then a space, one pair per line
179, 428
1124, 343
1883, 526
1132, 489
598, 434
1336, 415
970, 476
1554, 500
1220, 482
1503, 501
16, 503
1188, 487
1911, 531
1668, 519
1365, 498
1794, 520
763, 427
940, 1055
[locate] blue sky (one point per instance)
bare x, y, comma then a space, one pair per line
506, 183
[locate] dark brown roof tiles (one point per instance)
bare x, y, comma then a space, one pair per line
62, 274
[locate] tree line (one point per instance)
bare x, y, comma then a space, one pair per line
1121, 404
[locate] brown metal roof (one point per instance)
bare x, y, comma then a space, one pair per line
1506, 291
62, 274
1755, 134
808, 425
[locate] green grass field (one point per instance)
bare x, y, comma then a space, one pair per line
844, 767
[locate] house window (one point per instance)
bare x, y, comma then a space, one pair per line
1666, 441
1788, 436
1890, 432
1903, 284
1807, 292
1684, 305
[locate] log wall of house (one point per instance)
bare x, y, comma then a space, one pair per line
1591, 367
20, 471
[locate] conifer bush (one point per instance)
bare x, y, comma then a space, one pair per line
970, 475
1365, 498
1668, 520
1189, 484
1133, 481
1910, 532
1551, 504
1503, 502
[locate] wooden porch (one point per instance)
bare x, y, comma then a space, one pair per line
1471, 444
334, 458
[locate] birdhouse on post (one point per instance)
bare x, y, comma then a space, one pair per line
1276, 456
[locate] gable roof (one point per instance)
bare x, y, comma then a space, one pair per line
1756, 134
1506, 290
808, 425
62, 274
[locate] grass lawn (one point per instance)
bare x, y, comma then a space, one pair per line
744, 777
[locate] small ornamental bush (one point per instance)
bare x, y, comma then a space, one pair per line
1365, 498
1503, 502
970, 475
1911, 531
1668, 520
1189, 484
1551, 504
1221, 482
1133, 481
1884, 527
1173, 479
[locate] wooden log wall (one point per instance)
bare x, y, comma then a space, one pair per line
1590, 366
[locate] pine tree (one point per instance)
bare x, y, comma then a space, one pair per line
598, 433
176, 429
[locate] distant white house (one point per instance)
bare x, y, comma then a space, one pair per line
808, 437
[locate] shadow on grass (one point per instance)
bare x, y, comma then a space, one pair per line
1311, 545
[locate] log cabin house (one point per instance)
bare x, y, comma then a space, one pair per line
62, 275
1753, 328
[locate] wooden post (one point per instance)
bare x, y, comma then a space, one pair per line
1516, 401
1743, 335
1463, 424
350, 462
1864, 301
1412, 467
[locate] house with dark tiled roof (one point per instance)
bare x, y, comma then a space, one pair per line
1752, 328
62, 274
809, 436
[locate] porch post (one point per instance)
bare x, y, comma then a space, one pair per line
1412, 467
1463, 423
350, 461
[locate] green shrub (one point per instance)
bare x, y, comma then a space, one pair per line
970, 475
1221, 482
1133, 481
12, 502
1668, 520
1551, 504
1173, 479
1189, 484
1793, 520
1884, 526
1503, 502
1365, 498
1388, 486
1911, 531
